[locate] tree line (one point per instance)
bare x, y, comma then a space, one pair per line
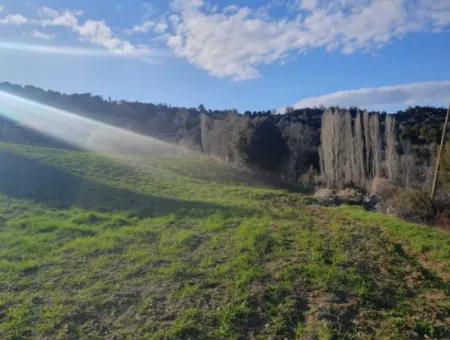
333, 146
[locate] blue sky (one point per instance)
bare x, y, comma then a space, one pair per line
248, 55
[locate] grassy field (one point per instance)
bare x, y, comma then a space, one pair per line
184, 247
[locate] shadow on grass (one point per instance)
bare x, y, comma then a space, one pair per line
24, 178
433, 279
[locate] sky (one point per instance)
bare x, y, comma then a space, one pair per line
244, 55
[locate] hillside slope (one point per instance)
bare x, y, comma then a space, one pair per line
294, 137
185, 247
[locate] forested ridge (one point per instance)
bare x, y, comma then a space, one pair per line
293, 146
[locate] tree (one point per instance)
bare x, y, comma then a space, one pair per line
360, 176
300, 139
348, 149
391, 154
328, 150
218, 133
367, 141
351, 150
375, 145
262, 144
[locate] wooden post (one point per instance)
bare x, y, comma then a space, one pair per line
439, 156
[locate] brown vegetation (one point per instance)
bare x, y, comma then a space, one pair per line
413, 205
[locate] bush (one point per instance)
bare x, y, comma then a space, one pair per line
412, 205
327, 197
309, 179
443, 213
261, 144
351, 196
444, 174
382, 188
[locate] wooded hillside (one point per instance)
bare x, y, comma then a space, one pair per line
347, 147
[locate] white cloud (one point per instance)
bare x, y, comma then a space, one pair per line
231, 9
73, 51
149, 26
427, 93
308, 5
161, 27
63, 50
42, 35
142, 28
14, 19
51, 17
2, 8
438, 11
93, 31
235, 41
228, 45
98, 33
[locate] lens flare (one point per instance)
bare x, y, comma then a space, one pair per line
79, 131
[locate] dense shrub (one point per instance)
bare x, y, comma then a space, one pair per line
351, 196
309, 179
444, 174
383, 188
262, 144
442, 205
412, 205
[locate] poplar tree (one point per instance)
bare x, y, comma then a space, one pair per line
391, 155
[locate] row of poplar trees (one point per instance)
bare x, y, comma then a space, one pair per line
357, 148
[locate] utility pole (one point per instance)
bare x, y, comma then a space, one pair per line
439, 156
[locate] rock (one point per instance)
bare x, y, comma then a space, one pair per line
370, 202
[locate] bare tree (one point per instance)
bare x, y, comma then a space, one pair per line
329, 155
337, 154
348, 154
217, 134
360, 176
407, 166
391, 155
375, 145
367, 142
352, 149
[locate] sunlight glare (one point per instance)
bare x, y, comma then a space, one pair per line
79, 131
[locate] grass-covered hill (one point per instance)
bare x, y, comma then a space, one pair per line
184, 247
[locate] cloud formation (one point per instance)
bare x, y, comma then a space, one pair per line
427, 93
145, 27
93, 31
14, 19
234, 41
42, 35
148, 26
63, 50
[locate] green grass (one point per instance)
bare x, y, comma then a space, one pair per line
185, 247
